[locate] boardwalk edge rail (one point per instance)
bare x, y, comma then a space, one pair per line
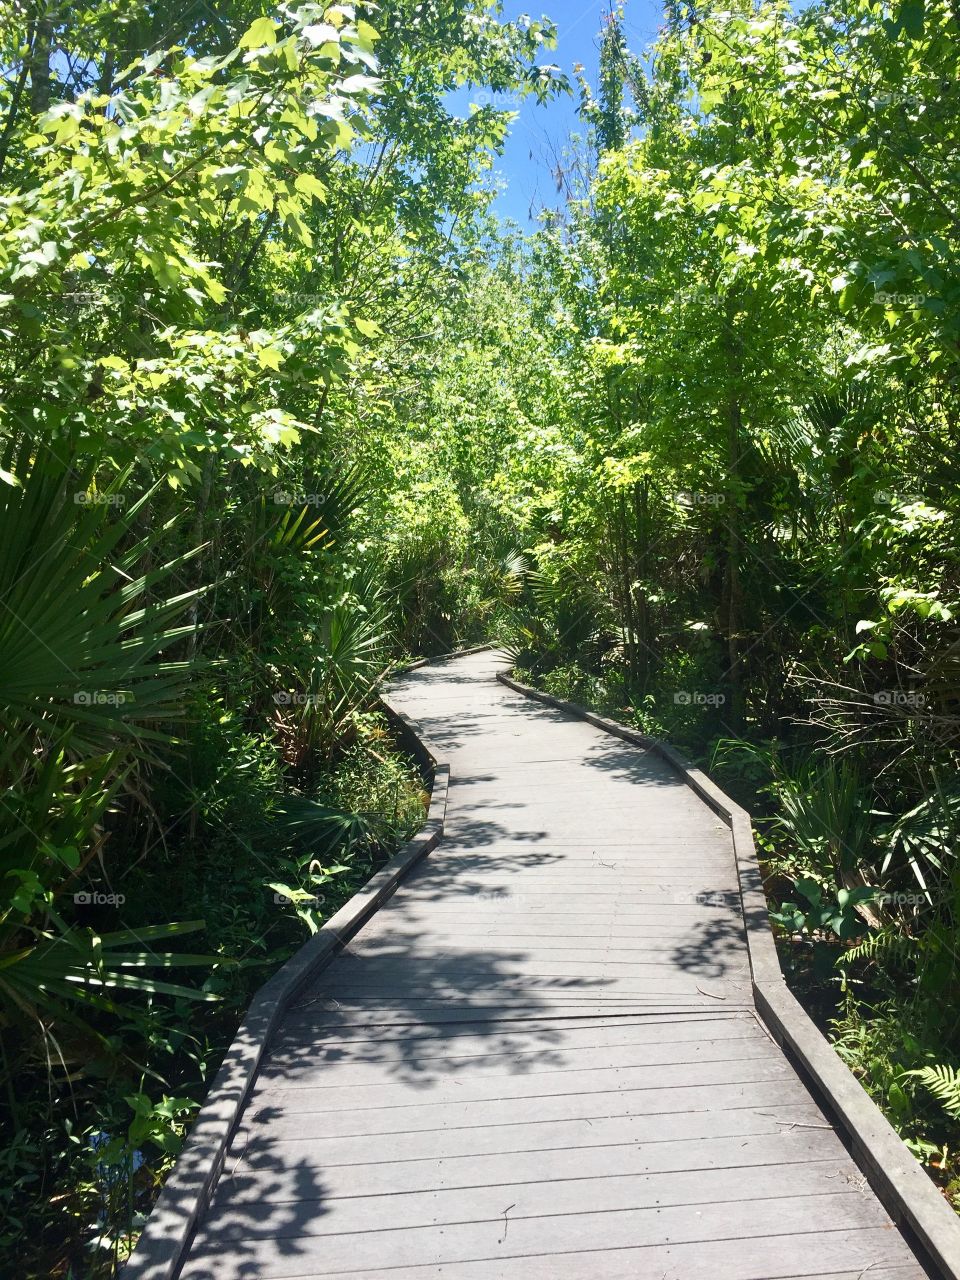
905, 1190
165, 1240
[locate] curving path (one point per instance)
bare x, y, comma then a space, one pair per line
540, 1059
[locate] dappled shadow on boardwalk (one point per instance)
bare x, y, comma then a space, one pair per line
396, 987
431, 1020
716, 945
556, 1001
634, 764
473, 833
273, 1204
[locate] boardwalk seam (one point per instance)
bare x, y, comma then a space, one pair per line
897, 1178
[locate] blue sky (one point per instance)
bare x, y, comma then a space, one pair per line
525, 164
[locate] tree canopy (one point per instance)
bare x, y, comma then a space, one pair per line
285, 403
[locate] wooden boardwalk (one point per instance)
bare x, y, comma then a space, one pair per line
540, 1059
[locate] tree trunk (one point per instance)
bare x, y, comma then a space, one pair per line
16, 98
641, 515
107, 72
40, 62
197, 539
733, 584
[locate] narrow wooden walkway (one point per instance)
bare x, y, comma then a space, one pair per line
540, 1060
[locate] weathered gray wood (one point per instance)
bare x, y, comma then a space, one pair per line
863, 1255
293, 1067
465, 1042
478, 1204
257, 1139
261, 1178
530, 1084
776, 1098
464, 1242
339, 1026
417, 1012
540, 1060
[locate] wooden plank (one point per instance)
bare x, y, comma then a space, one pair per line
300, 1065
259, 1139
464, 973
862, 1254
457, 1041
535, 1083
369, 1016
540, 910
498, 928
530, 1199
260, 1177
552, 949
574, 1232
530, 987
587, 853
321, 1017
558, 879
783, 1098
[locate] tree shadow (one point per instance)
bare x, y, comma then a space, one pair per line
421, 1016
717, 944
400, 1024
474, 833
290, 1197
639, 765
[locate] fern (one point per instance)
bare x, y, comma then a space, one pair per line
885, 944
944, 1083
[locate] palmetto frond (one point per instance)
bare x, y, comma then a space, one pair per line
84, 634
64, 979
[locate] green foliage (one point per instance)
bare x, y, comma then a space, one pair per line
816, 914
881, 1046
944, 1083
734, 479
282, 404
223, 237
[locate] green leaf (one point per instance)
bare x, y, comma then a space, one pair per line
910, 18
308, 185
261, 33
270, 357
